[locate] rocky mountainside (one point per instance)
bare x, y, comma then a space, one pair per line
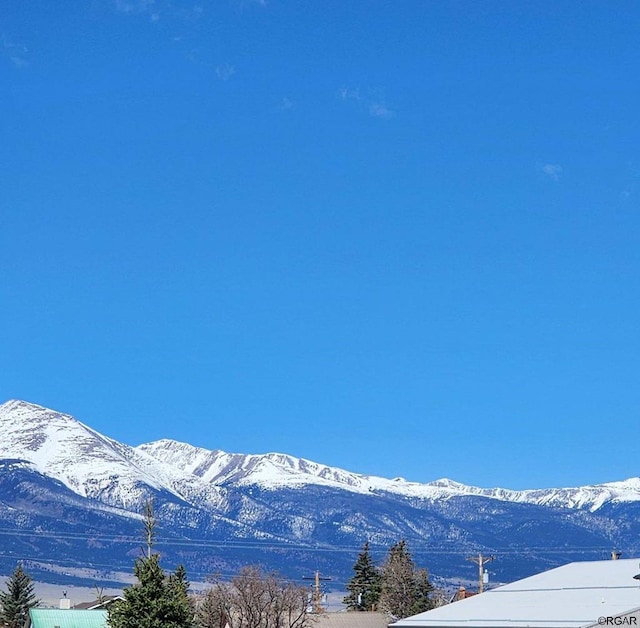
70, 497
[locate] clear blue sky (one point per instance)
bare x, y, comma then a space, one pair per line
398, 237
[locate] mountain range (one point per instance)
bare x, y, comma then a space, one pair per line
71, 498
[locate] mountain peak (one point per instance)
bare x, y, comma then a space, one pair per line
21, 417
20, 404
60, 446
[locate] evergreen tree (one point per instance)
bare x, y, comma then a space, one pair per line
17, 600
156, 600
424, 593
364, 586
405, 589
179, 590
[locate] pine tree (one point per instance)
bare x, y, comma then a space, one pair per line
405, 589
18, 599
364, 586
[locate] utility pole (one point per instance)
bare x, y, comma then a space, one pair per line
481, 561
317, 597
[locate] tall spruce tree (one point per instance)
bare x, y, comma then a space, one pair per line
364, 586
405, 589
17, 600
156, 600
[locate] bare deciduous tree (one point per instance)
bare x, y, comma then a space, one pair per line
255, 600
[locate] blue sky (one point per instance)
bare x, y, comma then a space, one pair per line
396, 237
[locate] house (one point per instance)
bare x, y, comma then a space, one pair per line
461, 594
578, 595
66, 618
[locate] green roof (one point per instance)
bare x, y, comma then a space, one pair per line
55, 618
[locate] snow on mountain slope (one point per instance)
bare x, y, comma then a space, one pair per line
98, 467
90, 464
268, 470
587, 497
273, 471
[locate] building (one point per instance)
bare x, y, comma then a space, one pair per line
577, 595
66, 618
461, 594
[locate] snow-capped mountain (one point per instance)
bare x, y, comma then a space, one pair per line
273, 471
57, 473
88, 462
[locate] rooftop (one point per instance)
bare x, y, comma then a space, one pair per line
571, 596
72, 618
352, 619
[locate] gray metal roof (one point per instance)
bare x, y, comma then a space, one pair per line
351, 619
571, 596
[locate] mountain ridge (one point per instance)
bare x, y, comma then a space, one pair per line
169, 464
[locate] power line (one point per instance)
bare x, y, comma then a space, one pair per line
419, 549
416, 548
